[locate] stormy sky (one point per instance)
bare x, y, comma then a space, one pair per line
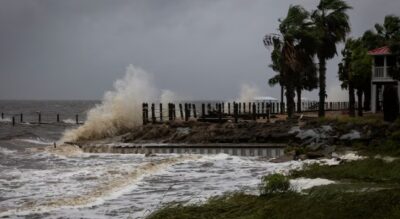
76, 49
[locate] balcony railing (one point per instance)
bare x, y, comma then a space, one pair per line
381, 73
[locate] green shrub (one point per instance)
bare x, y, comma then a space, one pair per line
275, 183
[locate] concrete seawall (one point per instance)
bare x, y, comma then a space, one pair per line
264, 150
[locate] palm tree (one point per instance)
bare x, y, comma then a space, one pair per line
331, 27
275, 57
296, 51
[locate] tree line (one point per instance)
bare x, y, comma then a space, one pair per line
307, 39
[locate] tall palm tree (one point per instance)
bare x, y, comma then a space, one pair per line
296, 51
331, 27
275, 57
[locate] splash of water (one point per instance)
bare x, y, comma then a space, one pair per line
248, 92
120, 109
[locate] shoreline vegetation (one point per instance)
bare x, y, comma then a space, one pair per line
366, 188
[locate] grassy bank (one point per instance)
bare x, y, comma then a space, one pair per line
365, 189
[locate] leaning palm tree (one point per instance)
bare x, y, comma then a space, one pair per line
275, 66
296, 51
331, 27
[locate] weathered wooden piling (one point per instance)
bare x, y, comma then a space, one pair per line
2, 115
13, 120
161, 113
263, 110
208, 108
244, 108
194, 111
203, 110
219, 112
145, 113
39, 118
21, 118
235, 111
240, 108
77, 119
181, 111
173, 111
229, 108
153, 113
254, 111
186, 112
58, 117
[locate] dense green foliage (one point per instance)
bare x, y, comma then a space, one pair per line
355, 73
293, 55
274, 183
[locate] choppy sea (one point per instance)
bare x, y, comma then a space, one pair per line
36, 183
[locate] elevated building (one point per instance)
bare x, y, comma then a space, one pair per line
383, 60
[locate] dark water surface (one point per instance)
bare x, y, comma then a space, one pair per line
37, 183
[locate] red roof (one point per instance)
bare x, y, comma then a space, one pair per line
380, 51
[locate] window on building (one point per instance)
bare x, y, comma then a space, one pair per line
379, 61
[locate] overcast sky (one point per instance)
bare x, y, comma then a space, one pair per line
76, 49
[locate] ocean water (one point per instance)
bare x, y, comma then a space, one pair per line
35, 182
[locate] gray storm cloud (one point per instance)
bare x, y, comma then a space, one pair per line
54, 49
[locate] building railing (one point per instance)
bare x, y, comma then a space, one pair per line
381, 73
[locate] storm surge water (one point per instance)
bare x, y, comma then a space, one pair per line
120, 109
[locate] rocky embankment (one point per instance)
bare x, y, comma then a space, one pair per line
306, 138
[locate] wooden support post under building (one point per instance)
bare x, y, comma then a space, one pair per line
203, 110
244, 108
258, 110
229, 108
240, 108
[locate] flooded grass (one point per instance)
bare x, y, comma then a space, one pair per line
366, 188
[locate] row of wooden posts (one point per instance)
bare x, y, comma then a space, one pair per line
220, 111
15, 117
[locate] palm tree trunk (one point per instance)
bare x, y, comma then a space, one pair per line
367, 99
290, 101
282, 94
322, 86
298, 91
352, 101
359, 105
